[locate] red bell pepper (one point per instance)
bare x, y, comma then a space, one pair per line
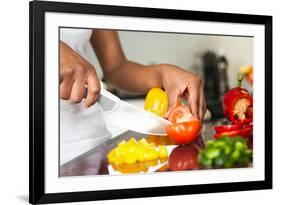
227, 128
245, 131
238, 106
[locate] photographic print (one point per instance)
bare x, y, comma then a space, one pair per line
214, 130
138, 102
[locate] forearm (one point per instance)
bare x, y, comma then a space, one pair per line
118, 70
135, 77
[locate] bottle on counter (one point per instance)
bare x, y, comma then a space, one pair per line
222, 65
215, 68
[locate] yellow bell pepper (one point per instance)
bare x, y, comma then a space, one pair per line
163, 152
156, 101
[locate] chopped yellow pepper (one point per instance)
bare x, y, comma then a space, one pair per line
133, 151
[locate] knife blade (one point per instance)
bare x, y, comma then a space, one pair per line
128, 116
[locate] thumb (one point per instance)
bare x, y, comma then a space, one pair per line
173, 99
193, 100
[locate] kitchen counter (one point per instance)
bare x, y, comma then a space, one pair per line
94, 162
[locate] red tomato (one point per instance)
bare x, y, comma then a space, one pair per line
184, 132
180, 114
227, 128
183, 157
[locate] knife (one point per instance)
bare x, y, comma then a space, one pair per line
128, 116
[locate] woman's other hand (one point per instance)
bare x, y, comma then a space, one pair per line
180, 83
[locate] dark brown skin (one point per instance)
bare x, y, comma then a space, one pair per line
76, 73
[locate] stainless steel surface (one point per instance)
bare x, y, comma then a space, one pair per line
94, 162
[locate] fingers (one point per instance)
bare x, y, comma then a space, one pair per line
173, 100
194, 93
66, 82
78, 86
194, 96
73, 82
75, 74
202, 102
93, 85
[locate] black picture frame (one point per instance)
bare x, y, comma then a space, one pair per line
37, 11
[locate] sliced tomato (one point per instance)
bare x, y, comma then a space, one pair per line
184, 132
180, 114
227, 128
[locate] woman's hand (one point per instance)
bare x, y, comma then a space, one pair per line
75, 74
178, 82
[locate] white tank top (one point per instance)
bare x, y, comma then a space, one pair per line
80, 129
76, 38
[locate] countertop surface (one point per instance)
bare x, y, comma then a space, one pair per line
94, 162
